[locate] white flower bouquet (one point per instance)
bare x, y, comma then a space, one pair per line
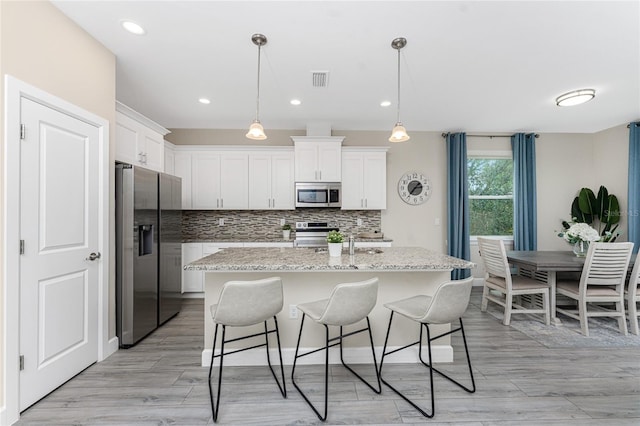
579, 232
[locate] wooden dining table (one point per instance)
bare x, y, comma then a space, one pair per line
544, 265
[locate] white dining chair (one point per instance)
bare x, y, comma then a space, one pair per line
632, 295
498, 279
601, 283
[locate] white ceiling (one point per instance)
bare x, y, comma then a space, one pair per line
478, 66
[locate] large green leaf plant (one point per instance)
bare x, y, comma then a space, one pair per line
602, 212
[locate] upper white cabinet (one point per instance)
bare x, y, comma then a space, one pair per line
318, 158
182, 169
364, 178
220, 180
139, 141
169, 158
271, 185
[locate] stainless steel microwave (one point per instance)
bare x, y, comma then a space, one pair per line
318, 194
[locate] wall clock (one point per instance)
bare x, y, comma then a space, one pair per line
414, 188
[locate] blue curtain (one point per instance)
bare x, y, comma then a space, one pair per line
525, 227
634, 185
457, 201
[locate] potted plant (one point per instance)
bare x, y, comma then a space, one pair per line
286, 231
335, 240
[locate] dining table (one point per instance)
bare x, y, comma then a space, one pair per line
544, 265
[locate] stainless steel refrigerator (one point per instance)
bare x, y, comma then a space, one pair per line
148, 234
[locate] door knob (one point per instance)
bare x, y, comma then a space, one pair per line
93, 256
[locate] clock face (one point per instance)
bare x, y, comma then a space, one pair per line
414, 188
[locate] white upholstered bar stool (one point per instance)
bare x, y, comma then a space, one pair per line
242, 304
445, 306
349, 303
633, 296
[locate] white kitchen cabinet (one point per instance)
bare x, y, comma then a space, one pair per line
192, 281
219, 180
182, 169
318, 158
364, 178
139, 141
169, 158
271, 184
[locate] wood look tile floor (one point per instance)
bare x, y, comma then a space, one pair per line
519, 382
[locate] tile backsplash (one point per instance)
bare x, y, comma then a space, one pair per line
265, 224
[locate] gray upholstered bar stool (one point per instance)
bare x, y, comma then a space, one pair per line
348, 304
241, 304
446, 306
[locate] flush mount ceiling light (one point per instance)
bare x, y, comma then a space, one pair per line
575, 97
256, 131
385, 103
295, 102
133, 28
204, 101
399, 133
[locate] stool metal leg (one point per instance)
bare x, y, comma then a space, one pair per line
375, 364
283, 386
215, 406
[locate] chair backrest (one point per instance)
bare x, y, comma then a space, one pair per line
449, 302
244, 303
634, 280
606, 264
495, 260
350, 302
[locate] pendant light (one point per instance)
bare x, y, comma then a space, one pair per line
399, 133
256, 131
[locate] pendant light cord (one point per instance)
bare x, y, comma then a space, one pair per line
258, 95
398, 118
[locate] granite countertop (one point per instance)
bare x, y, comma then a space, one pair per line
309, 259
270, 240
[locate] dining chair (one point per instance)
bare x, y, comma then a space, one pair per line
601, 282
633, 296
445, 306
498, 279
242, 304
349, 303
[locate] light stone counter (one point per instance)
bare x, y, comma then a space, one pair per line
308, 275
309, 259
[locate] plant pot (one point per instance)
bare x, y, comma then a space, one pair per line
286, 233
335, 249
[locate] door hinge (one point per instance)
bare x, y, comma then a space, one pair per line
21, 246
21, 362
23, 130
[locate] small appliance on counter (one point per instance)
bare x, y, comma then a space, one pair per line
313, 234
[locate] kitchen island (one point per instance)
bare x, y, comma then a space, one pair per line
310, 274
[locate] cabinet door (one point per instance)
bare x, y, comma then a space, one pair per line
234, 181
192, 280
182, 169
205, 183
329, 162
153, 150
352, 185
127, 136
306, 165
260, 181
375, 180
282, 182
169, 161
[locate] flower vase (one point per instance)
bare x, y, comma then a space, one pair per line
580, 248
335, 249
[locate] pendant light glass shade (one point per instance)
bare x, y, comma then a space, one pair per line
256, 131
399, 133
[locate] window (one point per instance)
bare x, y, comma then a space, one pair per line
490, 196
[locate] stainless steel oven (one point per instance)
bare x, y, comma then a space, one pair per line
318, 194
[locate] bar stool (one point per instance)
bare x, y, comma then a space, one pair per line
447, 304
241, 304
348, 304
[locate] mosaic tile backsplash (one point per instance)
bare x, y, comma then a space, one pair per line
241, 225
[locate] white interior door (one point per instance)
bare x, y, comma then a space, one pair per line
59, 226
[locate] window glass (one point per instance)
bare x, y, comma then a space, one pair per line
490, 196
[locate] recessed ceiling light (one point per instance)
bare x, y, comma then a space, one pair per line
385, 103
204, 101
575, 97
133, 28
295, 102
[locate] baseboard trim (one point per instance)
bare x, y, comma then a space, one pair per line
112, 346
441, 353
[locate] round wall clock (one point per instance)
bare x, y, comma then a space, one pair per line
414, 188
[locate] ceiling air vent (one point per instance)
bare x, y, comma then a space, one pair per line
320, 78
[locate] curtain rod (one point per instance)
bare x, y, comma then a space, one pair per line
444, 135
